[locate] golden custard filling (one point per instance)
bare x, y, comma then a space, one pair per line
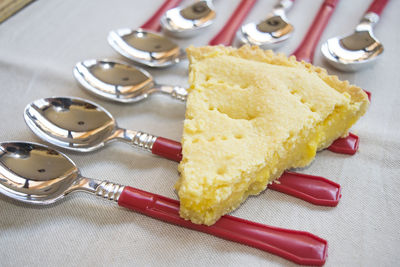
250, 115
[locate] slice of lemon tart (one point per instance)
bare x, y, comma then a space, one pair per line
250, 115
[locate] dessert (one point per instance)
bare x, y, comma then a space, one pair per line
250, 115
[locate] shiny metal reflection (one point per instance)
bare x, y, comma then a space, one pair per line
145, 47
80, 125
36, 174
269, 33
121, 82
187, 21
72, 123
355, 51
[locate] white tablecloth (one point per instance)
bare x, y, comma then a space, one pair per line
38, 48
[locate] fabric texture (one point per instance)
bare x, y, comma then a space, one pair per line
39, 47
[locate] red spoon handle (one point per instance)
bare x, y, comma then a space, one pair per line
167, 148
313, 189
297, 246
153, 24
307, 47
227, 34
377, 6
347, 145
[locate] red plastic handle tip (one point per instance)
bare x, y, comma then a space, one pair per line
227, 34
314, 189
297, 246
347, 145
153, 23
167, 148
377, 6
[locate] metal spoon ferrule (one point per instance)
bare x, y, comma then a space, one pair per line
109, 190
144, 141
138, 139
368, 22
281, 7
176, 92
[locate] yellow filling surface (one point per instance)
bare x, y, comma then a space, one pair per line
250, 115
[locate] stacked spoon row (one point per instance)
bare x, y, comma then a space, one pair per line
147, 47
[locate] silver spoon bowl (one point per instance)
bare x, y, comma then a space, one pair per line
186, 21
146, 47
79, 125
36, 174
121, 82
355, 51
269, 33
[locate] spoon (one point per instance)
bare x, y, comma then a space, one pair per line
80, 125
360, 49
187, 21
146, 47
37, 174
121, 82
271, 32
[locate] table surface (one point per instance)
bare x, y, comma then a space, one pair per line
38, 49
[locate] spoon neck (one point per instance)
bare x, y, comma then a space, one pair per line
176, 92
104, 189
109, 190
141, 140
369, 20
282, 7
